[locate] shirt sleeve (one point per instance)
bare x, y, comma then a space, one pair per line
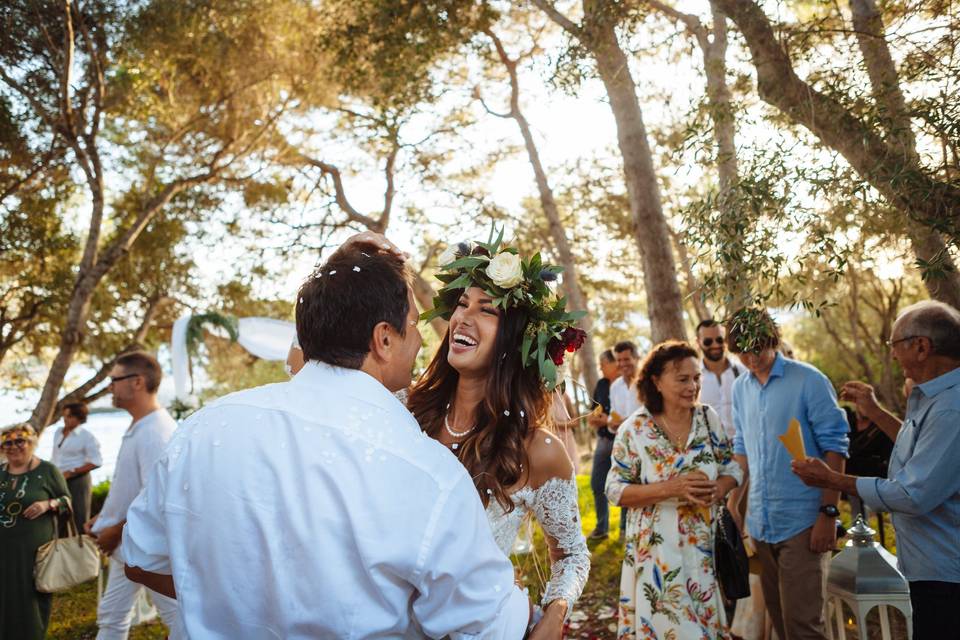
145, 534
726, 465
927, 478
91, 450
738, 448
625, 464
827, 420
466, 584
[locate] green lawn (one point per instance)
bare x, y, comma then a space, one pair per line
75, 612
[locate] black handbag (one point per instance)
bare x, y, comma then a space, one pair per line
730, 562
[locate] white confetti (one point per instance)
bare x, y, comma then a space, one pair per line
333, 271
356, 269
522, 414
548, 440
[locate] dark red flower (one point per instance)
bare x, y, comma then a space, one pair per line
573, 338
555, 349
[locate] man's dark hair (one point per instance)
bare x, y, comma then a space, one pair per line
343, 300
705, 324
78, 410
751, 330
607, 356
626, 345
144, 365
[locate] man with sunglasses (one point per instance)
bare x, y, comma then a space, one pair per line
922, 487
134, 381
719, 372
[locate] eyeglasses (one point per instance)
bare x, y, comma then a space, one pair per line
709, 341
16, 442
119, 378
892, 342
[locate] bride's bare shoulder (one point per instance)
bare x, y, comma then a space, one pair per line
548, 458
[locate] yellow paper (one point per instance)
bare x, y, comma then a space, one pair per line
597, 410
615, 417
792, 439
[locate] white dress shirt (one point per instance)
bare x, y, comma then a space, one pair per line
623, 399
79, 448
718, 392
317, 508
142, 445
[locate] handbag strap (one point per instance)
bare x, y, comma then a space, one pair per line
722, 507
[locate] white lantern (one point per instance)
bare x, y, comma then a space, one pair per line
864, 576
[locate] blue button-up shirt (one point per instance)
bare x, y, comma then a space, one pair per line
923, 486
780, 506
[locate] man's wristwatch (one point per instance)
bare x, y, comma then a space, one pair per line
829, 510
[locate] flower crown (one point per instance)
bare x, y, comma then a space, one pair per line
551, 331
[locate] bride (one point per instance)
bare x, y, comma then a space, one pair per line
486, 396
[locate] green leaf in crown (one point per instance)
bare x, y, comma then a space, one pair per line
512, 282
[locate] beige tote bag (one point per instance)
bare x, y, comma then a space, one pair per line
64, 563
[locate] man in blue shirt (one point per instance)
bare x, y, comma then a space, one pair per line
792, 525
922, 488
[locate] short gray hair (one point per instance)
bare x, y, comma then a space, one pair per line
937, 321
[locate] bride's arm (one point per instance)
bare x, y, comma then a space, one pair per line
557, 510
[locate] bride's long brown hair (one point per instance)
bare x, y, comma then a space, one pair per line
516, 402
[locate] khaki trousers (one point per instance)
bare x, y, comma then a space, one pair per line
794, 582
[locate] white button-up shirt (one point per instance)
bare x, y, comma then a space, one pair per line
623, 398
317, 508
80, 447
142, 445
717, 392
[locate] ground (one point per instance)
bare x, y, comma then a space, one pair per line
74, 613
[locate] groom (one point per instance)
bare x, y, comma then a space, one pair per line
316, 508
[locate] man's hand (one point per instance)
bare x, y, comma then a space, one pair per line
814, 472
88, 525
862, 395
597, 420
109, 538
68, 474
375, 241
824, 535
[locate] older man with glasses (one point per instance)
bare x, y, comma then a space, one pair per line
922, 487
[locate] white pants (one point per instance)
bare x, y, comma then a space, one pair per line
115, 612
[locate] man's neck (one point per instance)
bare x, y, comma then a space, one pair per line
936, 367
144, 408
628, 381
468, 395
716, 366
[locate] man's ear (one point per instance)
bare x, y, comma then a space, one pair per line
381, 343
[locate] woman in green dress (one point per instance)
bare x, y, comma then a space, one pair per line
32, 493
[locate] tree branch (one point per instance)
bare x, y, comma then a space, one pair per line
566, 23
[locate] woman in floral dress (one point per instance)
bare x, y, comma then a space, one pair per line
672, 462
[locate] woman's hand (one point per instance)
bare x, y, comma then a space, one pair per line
37, 509
374, 240
724, 486
694, 487
551, 624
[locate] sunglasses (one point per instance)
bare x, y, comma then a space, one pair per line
119, 378
709, 341
15, 442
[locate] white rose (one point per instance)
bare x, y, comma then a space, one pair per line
449, 255
505, 270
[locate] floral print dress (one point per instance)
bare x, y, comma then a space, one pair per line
668, 590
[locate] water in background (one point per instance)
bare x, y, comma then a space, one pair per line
107, 427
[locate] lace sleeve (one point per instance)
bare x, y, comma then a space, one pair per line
556, 509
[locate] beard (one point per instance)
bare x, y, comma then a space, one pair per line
713, 356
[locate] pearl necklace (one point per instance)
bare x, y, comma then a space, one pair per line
455, 434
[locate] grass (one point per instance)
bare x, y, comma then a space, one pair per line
74, 614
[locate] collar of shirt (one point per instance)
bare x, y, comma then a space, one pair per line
941, 383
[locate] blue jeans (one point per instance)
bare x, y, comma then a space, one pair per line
598, 478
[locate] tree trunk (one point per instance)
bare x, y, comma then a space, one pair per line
928, 202
885, 86
571, 281
650, 228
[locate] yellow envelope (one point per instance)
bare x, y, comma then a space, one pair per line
792, 439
